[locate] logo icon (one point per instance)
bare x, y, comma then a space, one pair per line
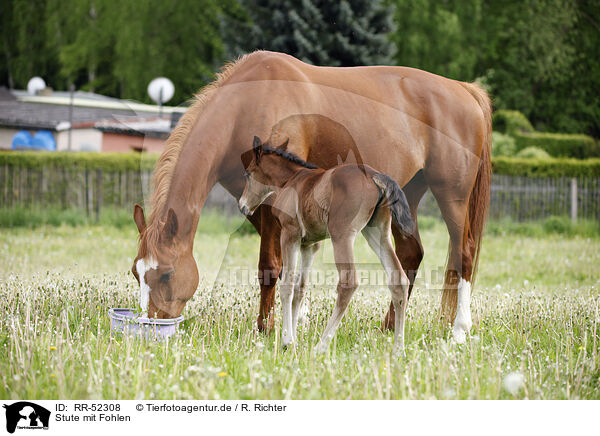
26, 415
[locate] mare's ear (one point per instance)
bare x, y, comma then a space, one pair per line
138, 217
171, 226
284, 144
257, 147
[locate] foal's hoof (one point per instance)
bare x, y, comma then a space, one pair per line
399, 352
321, 349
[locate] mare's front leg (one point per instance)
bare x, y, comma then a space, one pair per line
290, 248
269, 265
307, 256
343, 251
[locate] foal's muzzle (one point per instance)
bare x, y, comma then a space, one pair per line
245, 209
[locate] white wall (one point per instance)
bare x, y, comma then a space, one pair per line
81, 140
6, 136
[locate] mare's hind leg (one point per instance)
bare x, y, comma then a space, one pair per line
458, 275
378, 236
409, 249
343, 251
307, 256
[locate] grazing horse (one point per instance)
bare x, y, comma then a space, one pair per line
423, 130
312, 204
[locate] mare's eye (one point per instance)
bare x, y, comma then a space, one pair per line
166, 277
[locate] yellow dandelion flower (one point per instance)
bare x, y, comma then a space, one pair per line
222, 374
53, 347
52, 375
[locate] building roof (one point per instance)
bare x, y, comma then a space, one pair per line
52, 112
148, 127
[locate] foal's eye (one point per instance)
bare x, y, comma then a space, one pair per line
247, 175
166, 277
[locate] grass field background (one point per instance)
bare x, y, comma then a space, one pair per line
536, 306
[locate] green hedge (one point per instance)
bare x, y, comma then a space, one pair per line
515, 124
511, 122
546, 167
110, 162
559, 144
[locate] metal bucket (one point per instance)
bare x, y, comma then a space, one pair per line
126, 320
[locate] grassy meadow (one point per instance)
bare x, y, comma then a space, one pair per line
536, 307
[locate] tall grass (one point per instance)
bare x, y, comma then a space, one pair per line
536, 305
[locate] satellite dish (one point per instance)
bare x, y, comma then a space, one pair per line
161, 90
35, 85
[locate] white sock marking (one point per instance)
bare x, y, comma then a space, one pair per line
462, 322
142, 266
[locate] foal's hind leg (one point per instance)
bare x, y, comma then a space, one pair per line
343, 251
307, 256
379, 238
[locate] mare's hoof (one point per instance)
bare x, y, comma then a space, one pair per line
459, 336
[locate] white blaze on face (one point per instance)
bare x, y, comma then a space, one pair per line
142, 266
462, 322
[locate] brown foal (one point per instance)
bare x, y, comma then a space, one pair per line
312, 204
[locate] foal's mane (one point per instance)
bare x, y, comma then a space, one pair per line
289, 156
165, 167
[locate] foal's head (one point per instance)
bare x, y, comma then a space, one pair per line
268, 170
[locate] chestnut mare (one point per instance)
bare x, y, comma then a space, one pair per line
312, 204
423, 130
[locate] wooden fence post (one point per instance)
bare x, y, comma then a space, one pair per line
574, 199
98, 193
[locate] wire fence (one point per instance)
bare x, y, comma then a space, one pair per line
516, 197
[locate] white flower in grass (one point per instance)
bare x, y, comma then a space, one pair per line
513, 382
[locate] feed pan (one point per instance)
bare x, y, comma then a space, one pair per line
126, 320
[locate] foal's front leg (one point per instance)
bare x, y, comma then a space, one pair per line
290, 247
307, 256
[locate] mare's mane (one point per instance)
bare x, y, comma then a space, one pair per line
165, 167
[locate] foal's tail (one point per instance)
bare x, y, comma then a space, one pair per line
396, 201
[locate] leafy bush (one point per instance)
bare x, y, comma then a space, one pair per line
511, 122
515, 124
503, 145
546, 167
559, 144
533, 153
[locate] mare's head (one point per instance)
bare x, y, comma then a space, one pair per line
164, 266
264, 174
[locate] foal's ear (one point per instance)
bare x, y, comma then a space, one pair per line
171, 226
257, 147
284, 144
138, 217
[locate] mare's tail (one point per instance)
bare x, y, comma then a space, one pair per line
396, 201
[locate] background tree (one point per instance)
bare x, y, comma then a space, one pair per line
344, 33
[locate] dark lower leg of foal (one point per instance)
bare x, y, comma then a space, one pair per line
269, 268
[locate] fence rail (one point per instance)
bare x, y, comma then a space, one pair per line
518, 197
